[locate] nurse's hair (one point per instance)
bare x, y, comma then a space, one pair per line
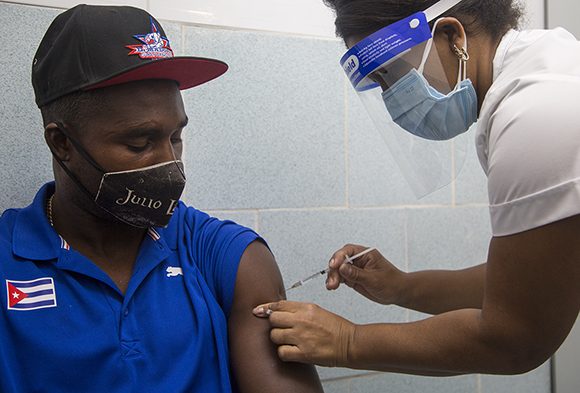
358, 18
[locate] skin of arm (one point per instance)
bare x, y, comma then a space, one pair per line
427, 291
439, 291
530, 303
255, 363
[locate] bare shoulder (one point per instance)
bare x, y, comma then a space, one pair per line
255, 363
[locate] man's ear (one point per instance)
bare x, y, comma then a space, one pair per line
57, 141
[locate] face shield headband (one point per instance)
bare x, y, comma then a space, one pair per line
390, 43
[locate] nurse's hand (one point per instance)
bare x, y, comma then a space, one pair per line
371, 275
307, 333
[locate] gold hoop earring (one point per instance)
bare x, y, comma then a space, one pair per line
461, 53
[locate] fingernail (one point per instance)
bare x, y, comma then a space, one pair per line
258, 310
332, 262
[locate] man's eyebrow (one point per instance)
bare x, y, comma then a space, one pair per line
148, 128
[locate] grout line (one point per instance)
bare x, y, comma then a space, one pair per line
351, 377
346, 147
341, 208
478, 380
182, 46
251, 30
406, 228
257, 221
546, 14
254, 30
454, 176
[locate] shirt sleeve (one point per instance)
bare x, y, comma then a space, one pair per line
534, 155
218, 247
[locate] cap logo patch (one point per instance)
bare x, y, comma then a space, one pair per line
153, 45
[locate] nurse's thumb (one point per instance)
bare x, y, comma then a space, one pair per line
353, 274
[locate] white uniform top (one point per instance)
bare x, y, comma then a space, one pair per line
528, 135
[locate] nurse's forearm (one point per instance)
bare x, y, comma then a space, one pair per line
438, 291
457, 342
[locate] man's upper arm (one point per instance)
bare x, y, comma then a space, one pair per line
532, 295
255, 363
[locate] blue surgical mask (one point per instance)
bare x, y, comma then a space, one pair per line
423, 111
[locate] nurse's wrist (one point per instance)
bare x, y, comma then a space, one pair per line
352, 338
406, 289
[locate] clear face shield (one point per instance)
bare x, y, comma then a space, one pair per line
419, 112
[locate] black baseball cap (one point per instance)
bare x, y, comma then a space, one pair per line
89, 47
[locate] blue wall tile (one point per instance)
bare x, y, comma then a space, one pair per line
536, 381
269, 133
340, 386
447, 238
26, 160
248, 219
397, 383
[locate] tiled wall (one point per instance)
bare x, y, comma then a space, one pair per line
304, 17
281, 144
287, 16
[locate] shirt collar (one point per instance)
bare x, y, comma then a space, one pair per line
170, 234
501, 52
35, 239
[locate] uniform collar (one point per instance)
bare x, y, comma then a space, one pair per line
501, 52
35, 239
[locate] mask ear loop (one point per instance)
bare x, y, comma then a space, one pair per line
70, 174
428, 48
176, 161
462, 55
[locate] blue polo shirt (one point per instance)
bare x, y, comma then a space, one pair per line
65, 327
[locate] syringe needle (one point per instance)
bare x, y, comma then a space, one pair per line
305, 280
324, 271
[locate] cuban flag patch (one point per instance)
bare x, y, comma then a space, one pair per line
31, 295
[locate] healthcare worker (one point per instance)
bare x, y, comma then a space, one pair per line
426, 71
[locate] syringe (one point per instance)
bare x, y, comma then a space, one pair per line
324, 271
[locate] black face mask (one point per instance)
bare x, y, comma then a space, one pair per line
141, 197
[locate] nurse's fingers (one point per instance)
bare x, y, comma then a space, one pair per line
281, 319
265, 310
283, 337
290, 353
338, 259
